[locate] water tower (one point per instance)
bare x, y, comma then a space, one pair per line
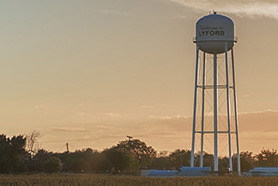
215, 121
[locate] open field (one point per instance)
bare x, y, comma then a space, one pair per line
100, 180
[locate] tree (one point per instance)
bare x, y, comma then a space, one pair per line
267, 158
11, 153
180, 158
36, 164
246, 160
85, 160
53, 165
32, 142
119, 160
207, 158
162, 163
138, 150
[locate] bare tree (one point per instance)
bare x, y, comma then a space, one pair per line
32, 142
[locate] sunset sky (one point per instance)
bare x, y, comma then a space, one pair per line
91, 72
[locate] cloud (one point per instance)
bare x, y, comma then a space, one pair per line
136, 15
156, 106
176, 117
109, 12
246, 96
146, 107
257, 130
104, 115
259, 112
81, 104
261, 121
68, 129
39, 106
250, 8
84, 117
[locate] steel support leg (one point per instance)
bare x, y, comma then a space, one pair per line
228, 109
194, 109
236, 116
203, 112
215, 82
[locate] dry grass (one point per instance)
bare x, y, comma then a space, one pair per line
101, 180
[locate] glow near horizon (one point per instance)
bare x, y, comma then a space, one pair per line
91, 73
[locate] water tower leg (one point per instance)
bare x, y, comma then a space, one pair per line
203, 112
194, 109
236, 116
215, 87
228, 109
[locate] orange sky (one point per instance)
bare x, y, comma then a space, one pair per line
91, 72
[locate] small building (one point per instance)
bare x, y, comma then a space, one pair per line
195, 171
263, 171
162, 173
184, 171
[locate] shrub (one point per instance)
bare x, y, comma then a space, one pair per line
53, 165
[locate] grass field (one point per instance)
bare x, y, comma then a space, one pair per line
100, 180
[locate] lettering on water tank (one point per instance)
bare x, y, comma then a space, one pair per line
211, 31
209, 27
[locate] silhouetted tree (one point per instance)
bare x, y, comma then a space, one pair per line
223, 164
246, 160
11, 153
180, 158
119, 160
32, 146
138, 150
36, 164
53, 165
207, 158
267, 158
85, 160
162, 163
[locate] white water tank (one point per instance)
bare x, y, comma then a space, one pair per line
212, 31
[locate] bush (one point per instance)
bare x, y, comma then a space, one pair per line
53, 165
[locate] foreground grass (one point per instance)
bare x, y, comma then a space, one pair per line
101, 180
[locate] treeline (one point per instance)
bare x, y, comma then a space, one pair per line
126, 157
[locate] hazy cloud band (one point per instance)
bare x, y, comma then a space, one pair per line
250, 8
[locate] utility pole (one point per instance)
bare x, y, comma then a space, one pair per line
129, 141
67, 145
